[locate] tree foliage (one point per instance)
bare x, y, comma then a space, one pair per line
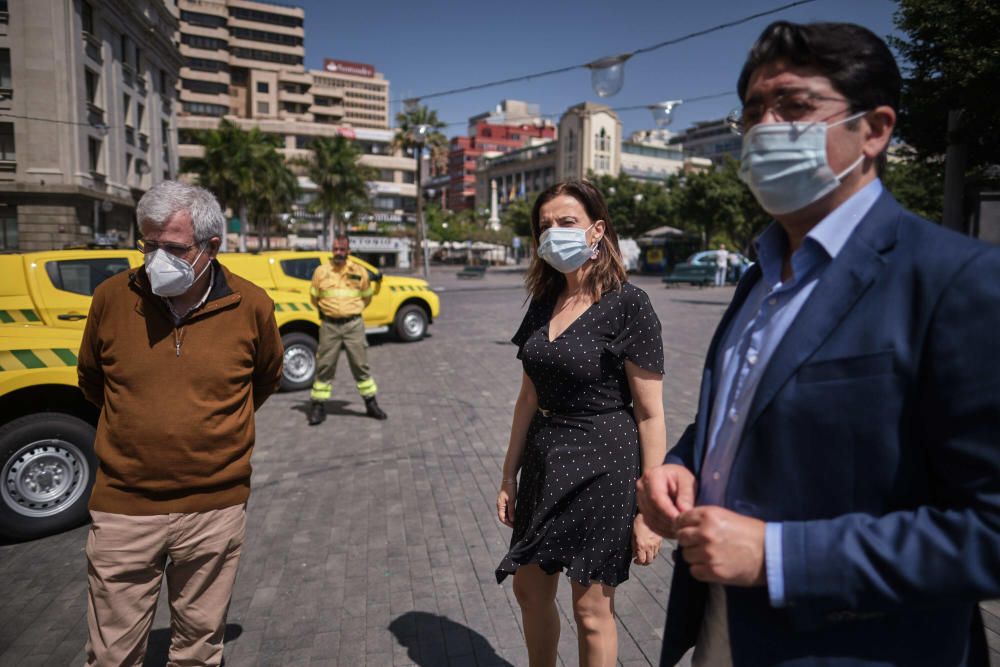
952, 61
433, 140
341, 180
240, 167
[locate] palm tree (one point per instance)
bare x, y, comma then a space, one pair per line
341, 181
234, 166
418, 128
277, 191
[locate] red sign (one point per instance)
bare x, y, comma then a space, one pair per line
347, 67
347, 133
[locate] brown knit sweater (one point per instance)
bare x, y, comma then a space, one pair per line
177, 402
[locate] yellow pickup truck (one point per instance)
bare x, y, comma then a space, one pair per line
47, 462
400, 305
55, 288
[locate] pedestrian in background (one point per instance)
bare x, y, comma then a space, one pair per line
588, 419
721, 265
178, 355
341, 290
844, 464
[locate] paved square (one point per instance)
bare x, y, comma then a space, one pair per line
374, 543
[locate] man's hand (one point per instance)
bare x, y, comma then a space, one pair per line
722, 546
664, 493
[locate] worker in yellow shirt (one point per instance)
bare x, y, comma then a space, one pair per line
340, 290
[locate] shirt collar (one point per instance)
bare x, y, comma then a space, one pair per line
829, 235
204, 297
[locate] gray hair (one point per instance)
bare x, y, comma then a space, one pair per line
165, 199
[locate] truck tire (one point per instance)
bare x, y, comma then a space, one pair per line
299, 368
411, 323
47, 469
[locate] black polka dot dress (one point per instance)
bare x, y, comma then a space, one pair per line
576, 493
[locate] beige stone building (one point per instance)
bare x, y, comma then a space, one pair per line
244, 61
87, 117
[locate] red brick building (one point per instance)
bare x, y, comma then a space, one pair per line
484, 138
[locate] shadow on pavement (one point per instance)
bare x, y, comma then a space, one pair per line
432, 640
158, 648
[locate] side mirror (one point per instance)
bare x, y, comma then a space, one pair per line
375, 276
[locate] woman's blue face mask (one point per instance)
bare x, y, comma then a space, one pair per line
565, 249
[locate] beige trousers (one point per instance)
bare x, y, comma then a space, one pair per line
127, 557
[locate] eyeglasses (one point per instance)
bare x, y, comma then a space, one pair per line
792, 106
176, 249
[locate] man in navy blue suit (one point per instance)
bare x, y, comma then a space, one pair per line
837, 499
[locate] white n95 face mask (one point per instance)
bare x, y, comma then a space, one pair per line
565, 249
170, 275
785, 164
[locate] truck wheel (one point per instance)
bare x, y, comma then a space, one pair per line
411, 323
299, 368
48, 468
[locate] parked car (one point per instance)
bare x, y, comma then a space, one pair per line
699, 269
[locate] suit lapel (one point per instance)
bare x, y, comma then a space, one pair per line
843, 282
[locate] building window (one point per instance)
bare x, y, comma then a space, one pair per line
204, 20
90, 80
262, 87
94, 153
266, 56
206, 65
138, 59
140, 113
87, 17
201, 109
8, 228
207, 43
265, 17
128, 166
126, 108
263, 107
205, 87
269, 37
124, 49
5, 79
7, 142
601, 141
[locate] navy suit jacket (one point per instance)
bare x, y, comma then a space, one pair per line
874, 437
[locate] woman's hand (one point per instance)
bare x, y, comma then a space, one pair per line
505, 503
645, 542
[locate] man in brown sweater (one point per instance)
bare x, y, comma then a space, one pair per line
178, 355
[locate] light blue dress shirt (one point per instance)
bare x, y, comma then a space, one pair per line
754, 334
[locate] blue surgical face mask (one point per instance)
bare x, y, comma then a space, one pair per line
565, 249
785, 165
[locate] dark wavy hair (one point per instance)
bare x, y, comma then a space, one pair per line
606, 272
857, 62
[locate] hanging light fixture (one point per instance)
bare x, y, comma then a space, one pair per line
663, 112
607, 75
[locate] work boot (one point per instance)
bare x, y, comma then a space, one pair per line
317, 413
373, 410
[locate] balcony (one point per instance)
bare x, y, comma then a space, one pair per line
140, 85
128, 74
95, 114
165, 105
6, 98
130, 135
143, 142
292, 96
336, 111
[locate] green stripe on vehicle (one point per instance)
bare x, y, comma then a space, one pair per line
67, 356
29, 315
28, 358
5, 317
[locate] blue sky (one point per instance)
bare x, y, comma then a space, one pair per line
434, 45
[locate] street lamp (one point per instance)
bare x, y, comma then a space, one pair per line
663, 112
607, 75
418, 135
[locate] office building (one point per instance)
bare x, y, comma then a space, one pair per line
87, 97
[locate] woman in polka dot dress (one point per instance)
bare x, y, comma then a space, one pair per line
588, 421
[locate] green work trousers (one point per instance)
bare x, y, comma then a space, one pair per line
333, 337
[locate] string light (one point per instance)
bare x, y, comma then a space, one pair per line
607, 74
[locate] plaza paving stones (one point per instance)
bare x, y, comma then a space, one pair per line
374, 543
